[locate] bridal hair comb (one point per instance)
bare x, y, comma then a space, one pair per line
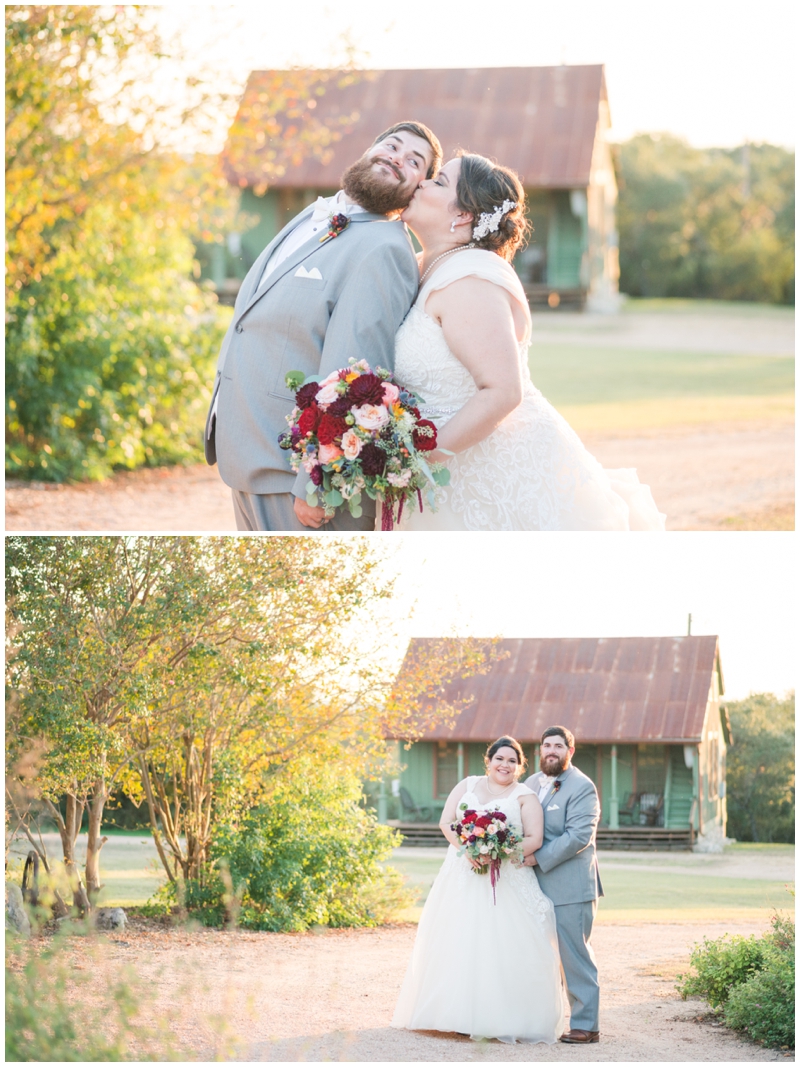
491, 220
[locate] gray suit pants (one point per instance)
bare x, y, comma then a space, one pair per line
574, 927
275, 512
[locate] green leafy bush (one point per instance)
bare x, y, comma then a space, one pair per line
310, 857
109, 354
720, 966
750, 981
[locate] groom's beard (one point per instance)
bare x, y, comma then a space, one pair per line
374, 193
553, 765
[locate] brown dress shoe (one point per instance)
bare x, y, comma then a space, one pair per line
581, 1037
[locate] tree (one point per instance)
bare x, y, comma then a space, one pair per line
110, 343
705, 223
190, 672
760, 773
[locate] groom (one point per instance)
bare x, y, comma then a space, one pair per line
335, 284
566, 866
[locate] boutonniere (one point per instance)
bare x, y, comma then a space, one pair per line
336, 224
556, 786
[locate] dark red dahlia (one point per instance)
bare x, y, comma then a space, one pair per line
373, 459
469, 814
309, 420
366, 389
330, 428
316, 475
424, 436
306, 395
339, 408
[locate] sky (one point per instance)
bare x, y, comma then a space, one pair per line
714, 72
741, 587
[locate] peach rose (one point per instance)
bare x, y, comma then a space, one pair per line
351, 444
328, 453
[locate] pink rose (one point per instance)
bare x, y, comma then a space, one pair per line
327, 394
371, 416
328, 453
390, 394
351, 444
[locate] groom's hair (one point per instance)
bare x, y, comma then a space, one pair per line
560, 731
418, 130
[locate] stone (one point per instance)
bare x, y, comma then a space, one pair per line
16, 915
110, 919
713, 840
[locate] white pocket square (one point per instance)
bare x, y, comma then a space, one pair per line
552, 807
301, 272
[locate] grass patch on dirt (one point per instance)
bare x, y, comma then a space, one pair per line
651, 417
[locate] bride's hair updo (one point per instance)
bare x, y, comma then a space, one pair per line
506, 742
482, 187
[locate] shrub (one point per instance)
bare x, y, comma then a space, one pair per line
310, 857
109, 355
48, 1020
721, 965
751, 981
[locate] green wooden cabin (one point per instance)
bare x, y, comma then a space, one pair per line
649, 726
549, 124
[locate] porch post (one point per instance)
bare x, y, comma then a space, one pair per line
613, 801
461, 761
383, 809
667, 785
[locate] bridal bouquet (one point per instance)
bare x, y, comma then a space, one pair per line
358, 432
486, 836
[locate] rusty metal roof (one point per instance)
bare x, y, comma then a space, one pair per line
604, 689
540, 121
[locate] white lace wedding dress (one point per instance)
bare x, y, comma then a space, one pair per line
484, 969
532, 472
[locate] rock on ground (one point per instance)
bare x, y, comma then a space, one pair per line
16, 915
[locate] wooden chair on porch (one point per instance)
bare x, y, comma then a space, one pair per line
414, 811
628, 808
650, 806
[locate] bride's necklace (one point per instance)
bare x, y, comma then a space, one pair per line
449, 252
492, 792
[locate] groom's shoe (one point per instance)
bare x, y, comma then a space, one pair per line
581, 1037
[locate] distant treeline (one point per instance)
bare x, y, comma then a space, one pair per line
709, 223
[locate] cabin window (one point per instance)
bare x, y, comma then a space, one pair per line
445, 768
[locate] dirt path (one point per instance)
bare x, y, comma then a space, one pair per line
330, 997
731, 476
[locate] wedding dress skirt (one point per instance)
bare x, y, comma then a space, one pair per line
532, 472
484, 969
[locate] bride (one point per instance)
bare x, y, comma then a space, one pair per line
514, 463
479, 968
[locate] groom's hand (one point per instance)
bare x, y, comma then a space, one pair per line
530, 861
308, 516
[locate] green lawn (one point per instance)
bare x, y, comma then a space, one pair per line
571, 374
633, 893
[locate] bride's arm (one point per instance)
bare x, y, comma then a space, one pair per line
478, 323
532, 823
449, 812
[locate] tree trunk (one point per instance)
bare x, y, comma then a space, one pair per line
68, 829
95, 842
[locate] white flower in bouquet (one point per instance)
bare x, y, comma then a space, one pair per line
371, 416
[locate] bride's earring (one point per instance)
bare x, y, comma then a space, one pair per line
453, 226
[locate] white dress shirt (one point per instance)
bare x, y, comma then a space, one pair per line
545, 788
316, 223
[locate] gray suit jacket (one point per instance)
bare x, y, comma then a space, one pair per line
368, 280
566, 864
